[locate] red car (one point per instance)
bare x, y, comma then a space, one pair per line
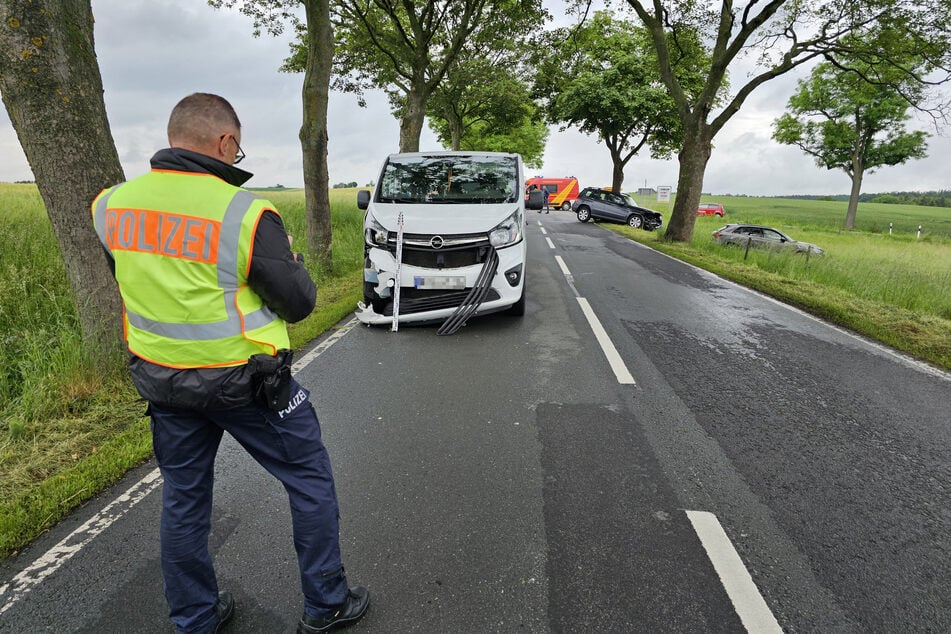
710, 209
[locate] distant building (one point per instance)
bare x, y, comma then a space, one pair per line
646, 191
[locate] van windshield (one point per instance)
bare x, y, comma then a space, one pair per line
449, 179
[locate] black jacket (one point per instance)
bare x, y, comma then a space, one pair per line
283, 284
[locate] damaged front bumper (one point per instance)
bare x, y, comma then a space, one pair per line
432, 295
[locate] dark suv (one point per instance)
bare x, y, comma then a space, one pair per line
602, 204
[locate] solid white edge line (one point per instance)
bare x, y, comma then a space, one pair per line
306, 360
59, 554
551, 245
55, 557
614, 359
747, 600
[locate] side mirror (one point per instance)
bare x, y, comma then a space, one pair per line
363, 199
535, 200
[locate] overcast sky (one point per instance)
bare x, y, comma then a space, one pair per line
154, 52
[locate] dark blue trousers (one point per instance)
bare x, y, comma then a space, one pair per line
289, 446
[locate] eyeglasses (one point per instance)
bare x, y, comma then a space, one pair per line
239, 155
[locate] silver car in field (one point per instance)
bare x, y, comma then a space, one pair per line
761, 237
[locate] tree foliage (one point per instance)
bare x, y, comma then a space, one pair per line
406, 49
484, 104
779, 36
602, 78
849, 123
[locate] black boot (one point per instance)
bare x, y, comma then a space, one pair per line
352, 610
224, 609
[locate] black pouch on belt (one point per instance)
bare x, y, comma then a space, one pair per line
271, 379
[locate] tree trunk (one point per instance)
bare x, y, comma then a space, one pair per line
456, 131
617, 162
411, 125
313, 132
693, 162
617, 175
858, 173
52, 89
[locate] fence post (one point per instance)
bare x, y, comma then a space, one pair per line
889, 228
919, 233
747, 252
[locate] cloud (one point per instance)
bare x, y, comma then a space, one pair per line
154, 52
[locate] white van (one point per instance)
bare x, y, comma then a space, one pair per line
463, 246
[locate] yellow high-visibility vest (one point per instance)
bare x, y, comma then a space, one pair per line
182, 242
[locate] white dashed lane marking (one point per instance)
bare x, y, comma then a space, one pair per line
747, 600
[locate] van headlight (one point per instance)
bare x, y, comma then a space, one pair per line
507, 232
374, 234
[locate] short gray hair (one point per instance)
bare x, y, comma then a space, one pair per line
201, 117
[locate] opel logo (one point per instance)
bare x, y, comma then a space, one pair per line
436, 242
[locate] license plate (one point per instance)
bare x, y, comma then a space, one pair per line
440, 282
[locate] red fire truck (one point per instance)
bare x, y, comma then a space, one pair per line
561, 191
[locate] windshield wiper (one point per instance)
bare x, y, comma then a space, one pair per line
388, 199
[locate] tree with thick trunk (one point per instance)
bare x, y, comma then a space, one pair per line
414, 113
313, 132
314, 57
52, 90
693, 157
858, 173
602, 78
783, 34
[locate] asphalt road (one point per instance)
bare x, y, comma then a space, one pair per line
520, 476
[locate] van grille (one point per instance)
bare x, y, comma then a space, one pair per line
456, 251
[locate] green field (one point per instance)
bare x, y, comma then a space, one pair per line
67, 429
829, 215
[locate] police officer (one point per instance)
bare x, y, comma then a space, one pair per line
208, 283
